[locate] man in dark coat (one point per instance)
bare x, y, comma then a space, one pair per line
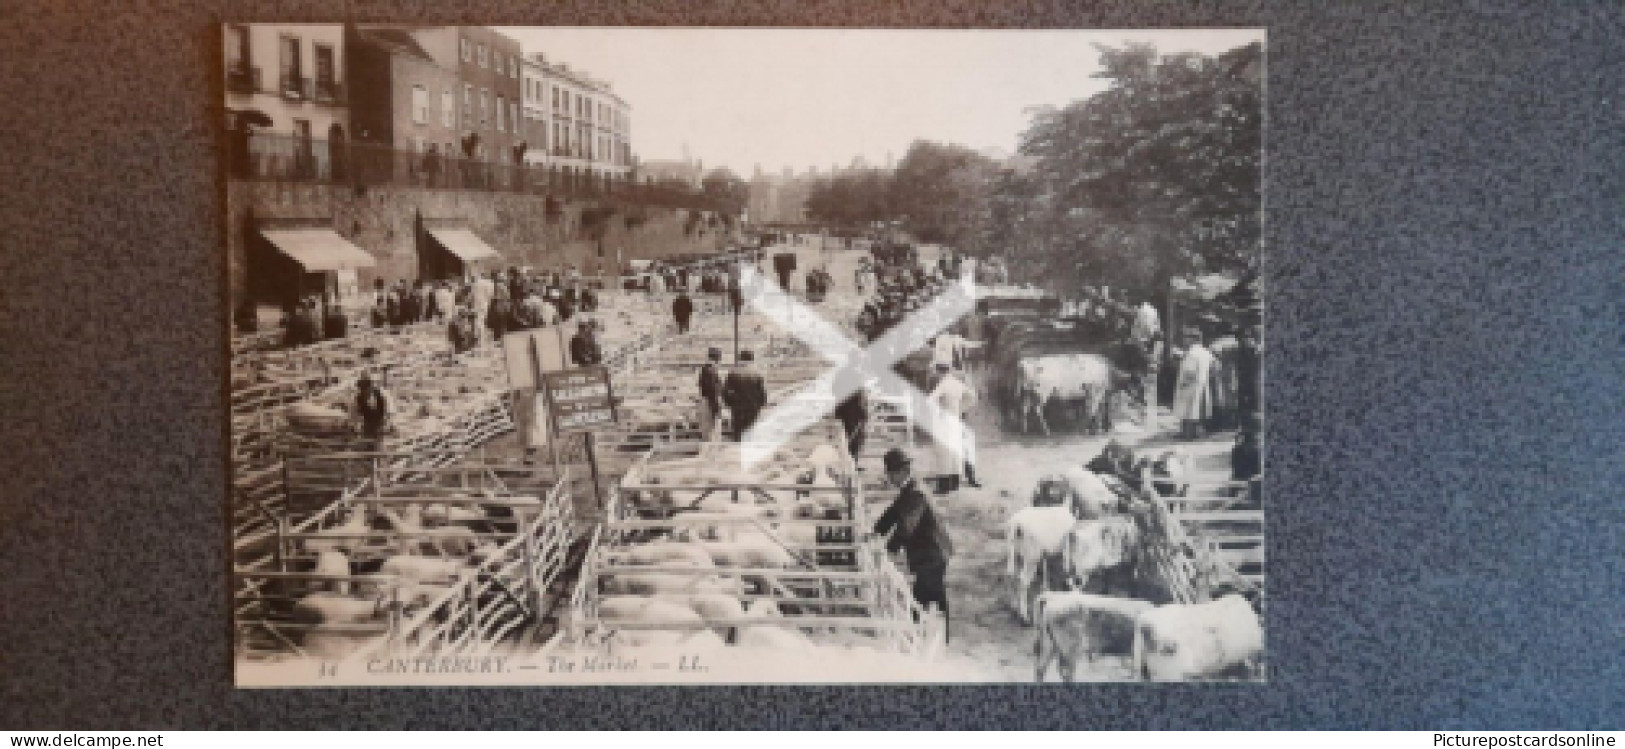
462, 331
305, 328
372, 407
584, 351
682, 308
565, 307
335, 324
1248, 358
853, 410
911, 525
711, 396
500, 316
745, 392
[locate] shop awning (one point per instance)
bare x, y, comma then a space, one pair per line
466, 245
318, 250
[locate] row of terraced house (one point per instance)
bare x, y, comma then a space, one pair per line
436, 106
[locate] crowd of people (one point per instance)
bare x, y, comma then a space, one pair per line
477, 307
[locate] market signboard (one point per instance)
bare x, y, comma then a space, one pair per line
579, 399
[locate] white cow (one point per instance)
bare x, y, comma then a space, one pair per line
1035, 534
1097, 556
1077, 627
1215, 640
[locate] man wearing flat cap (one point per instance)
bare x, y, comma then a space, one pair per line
372, 409
584, 351
745, 392
711, 396
911, 525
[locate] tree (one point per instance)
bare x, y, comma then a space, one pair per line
727, 193
851, 198
937, 187
1159, 174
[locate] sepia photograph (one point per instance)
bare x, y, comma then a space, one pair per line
578, 356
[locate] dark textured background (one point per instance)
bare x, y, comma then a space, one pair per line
1446, 221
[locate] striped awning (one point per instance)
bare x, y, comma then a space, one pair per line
463, 243
318, 250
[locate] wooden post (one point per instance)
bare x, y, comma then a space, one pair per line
592, 465
527, 530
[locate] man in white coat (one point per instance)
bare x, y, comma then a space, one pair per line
445, 302
1147, 334
951, 401
479, 296
1191, 402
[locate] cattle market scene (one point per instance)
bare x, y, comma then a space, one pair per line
554, 362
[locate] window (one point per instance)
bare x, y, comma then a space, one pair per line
502, 114
468, 51
485, 107
292, 67
468, 104
513, 67
448, 108
496, 60
485, 57
237, 49
420, 106
513, 112
326, 73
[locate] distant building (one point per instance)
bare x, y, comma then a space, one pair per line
780, 199
688, 171
397, 103
584, 128
285, 83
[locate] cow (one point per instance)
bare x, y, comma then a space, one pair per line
1077, 627
1098, 556
1035, 535
1220, 639
1170, 473
1077, 385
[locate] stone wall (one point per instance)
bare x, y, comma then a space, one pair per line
380, 221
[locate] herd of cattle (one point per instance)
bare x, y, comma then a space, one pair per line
1080, 577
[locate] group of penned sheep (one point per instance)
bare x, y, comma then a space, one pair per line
712, 534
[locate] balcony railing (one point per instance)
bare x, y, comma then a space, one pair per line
294, 87
243, 79
328, 91
285, 158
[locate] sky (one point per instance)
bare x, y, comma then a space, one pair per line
802, 98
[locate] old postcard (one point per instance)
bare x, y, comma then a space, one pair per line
715, 356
